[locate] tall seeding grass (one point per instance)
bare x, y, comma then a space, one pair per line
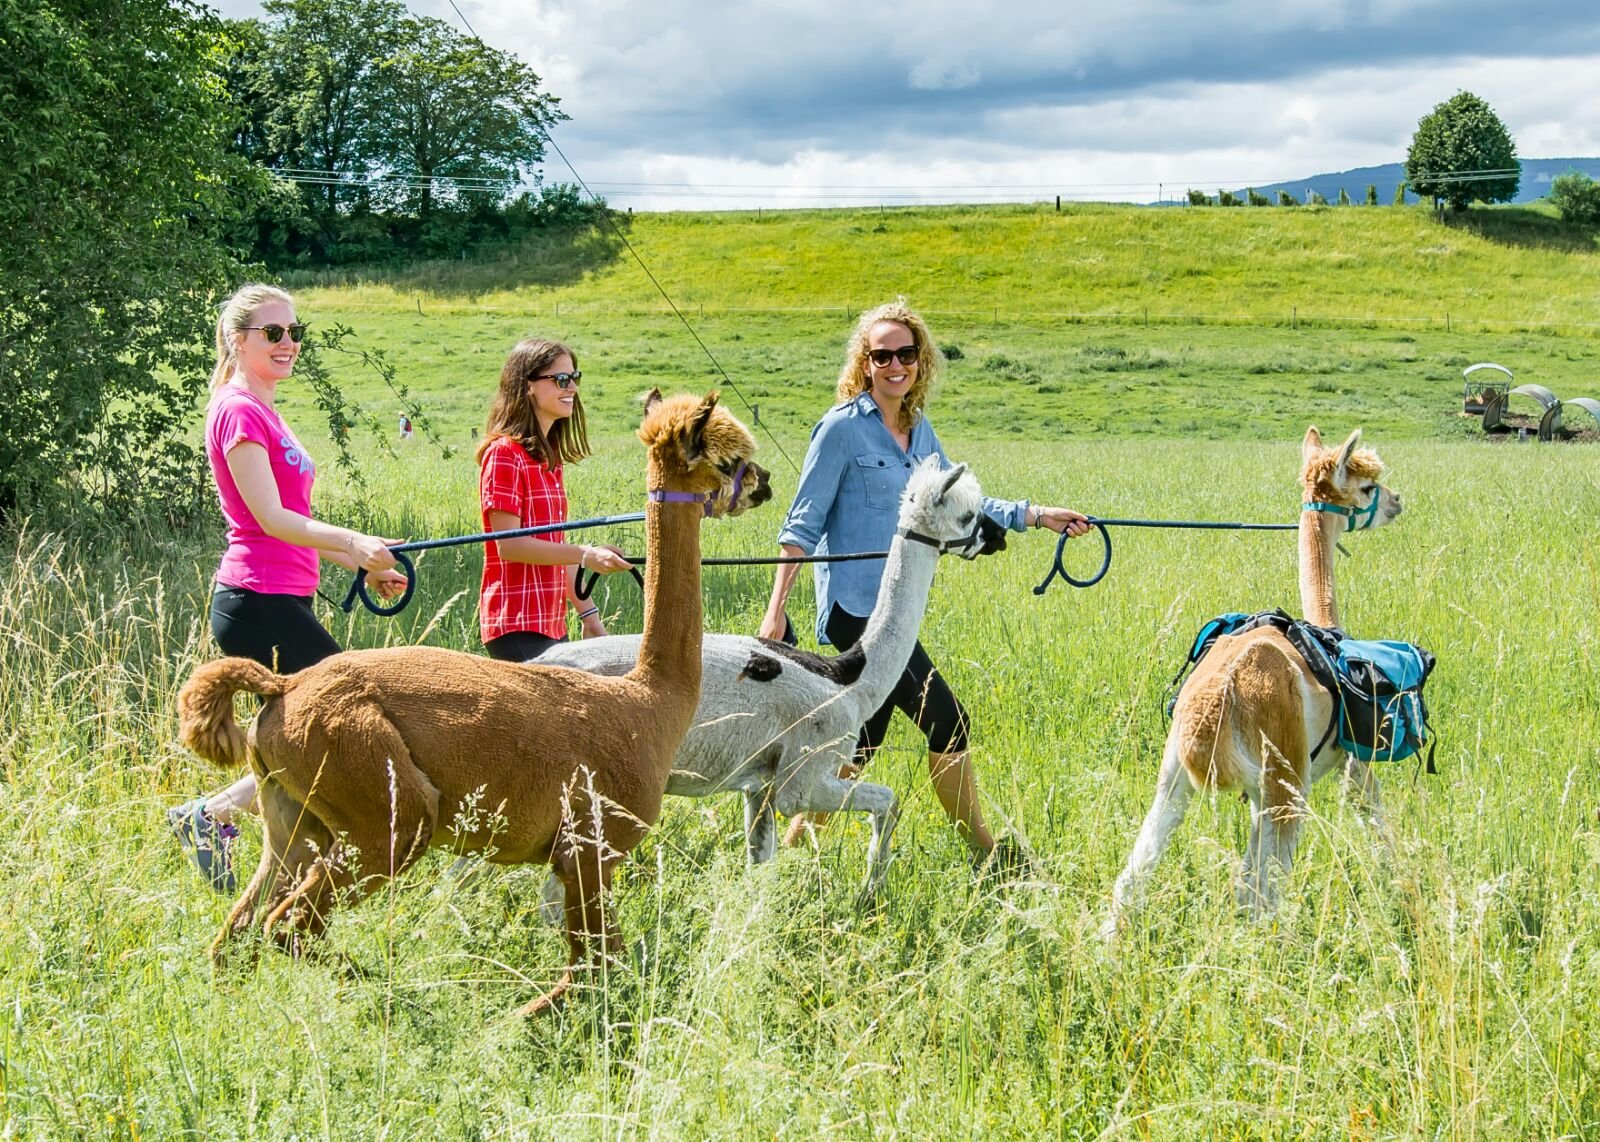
1449, 991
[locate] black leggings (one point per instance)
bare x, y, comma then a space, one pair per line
921, 692
279, 631
520, 645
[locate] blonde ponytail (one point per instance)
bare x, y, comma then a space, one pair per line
235, 314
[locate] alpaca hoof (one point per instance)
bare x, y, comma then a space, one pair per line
549, 1002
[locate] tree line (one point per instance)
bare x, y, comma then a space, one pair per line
393, 135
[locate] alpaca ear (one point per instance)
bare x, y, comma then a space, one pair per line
1341, 471
695, 446
1311, 445
650, 399
950, 480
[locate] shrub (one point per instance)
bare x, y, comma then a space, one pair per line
1577, 196
1198, 198
1286, 199
1344, 199
1400, 194
953, 352
1315, 199
1372, 194
1228, 198
1257, 199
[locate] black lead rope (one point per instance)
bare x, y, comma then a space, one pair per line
1104, 525
358, 586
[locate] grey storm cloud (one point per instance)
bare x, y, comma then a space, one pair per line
762, 80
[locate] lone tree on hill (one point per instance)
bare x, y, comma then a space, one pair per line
1463, 153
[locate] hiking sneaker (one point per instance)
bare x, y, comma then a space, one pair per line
208, 843
1005, 862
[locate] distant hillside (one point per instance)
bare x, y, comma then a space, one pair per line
1536, 176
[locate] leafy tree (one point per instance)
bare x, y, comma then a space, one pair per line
1228, 198
1344, 199
1577, 196
318, 73
1198, 198
1463, 153
1314, 198
455, 107
116, 193
1372, 194
1286, 199
1400, 193
1257, 199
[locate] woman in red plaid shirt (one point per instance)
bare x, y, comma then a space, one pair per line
536, 425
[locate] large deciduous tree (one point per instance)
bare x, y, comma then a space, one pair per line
318, 74
1463, 153
454, 107
116, 192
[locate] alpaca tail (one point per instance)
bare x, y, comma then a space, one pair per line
205, 707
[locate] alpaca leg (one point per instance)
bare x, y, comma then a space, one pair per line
1171, 802
1361, 789
826, 793
585, 873
1283, 807
798, 826
1248, 891
378, 839
291, 840
760, 826
552, 901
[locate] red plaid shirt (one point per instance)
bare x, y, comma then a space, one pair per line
521, 596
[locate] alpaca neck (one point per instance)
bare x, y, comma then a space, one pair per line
896, 617
669, 649
1319, 533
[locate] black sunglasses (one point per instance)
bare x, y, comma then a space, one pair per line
906, 355
274, 333
563, 381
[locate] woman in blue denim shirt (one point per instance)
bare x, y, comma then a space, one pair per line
860, 458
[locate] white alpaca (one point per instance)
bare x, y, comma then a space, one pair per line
777, 723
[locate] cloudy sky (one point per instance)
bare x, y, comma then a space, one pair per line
681, 104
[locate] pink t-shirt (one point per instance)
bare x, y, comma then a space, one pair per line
254, 559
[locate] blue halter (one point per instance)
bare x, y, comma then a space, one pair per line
1356, 519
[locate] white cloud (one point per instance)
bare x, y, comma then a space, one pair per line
748, 101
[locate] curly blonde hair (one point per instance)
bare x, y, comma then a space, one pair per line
855, 379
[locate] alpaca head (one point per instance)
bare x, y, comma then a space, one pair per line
946, 504
698, 446
1347, 476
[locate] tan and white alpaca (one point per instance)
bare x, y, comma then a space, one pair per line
1248, 717
375, 751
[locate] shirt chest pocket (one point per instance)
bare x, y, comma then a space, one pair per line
883, 476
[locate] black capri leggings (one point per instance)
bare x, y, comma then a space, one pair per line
921, 692
279, 631
520, 645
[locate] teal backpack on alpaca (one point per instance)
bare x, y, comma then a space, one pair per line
1379, 714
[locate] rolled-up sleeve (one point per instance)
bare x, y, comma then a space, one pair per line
820, 477
1009, 514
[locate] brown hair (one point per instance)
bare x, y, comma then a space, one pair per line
233, 318
512, 413
854, 378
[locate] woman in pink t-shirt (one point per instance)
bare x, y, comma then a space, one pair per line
536, 425
261, 605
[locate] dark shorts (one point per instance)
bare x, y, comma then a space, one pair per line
922, 693
279, 631
520, 645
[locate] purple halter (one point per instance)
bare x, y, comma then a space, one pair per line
708, 499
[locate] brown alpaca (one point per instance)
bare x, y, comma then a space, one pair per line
365, 758
1247, 718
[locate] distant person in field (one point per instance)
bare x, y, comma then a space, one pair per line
405, 427
536, 427
261, 603
861, 455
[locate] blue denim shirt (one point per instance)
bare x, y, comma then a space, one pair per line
849, 501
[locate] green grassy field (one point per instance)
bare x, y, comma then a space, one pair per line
1448, 991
